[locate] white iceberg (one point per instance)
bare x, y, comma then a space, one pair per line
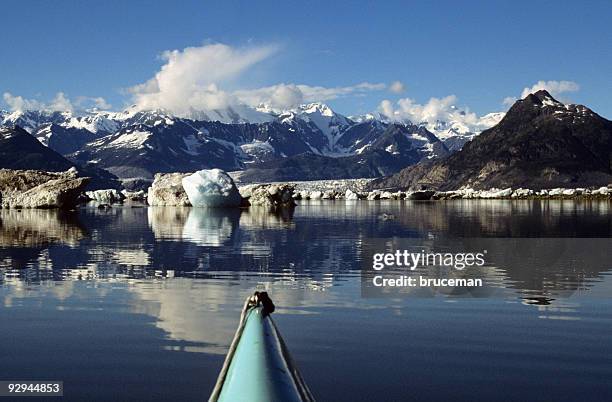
109, 196
351, 195
316, 195
211, 188
555, 192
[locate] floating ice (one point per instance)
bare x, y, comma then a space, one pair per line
211, 188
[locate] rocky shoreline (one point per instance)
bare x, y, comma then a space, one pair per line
39, 189
212, 188
167, 191
465, 194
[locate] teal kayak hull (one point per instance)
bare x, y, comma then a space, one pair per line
259, 368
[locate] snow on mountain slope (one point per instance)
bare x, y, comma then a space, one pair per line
444, 129
454, 131
29, 120
331, 124
94, 122
131, 139
136, 143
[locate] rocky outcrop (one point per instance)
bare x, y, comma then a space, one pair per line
420, 195
39, 189
269, 195
167, 190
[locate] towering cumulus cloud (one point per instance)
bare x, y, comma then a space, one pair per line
197, 78
191, 78
207, 78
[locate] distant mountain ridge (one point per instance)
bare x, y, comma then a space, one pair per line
137, 144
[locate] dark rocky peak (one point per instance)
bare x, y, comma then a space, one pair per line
13, 130
530, 109
543, 97
536, 100
541, 106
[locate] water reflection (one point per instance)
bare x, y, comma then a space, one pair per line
32, 228
190, 311
538, 270
318, 245
26, 235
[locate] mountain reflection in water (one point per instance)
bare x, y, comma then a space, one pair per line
316, 240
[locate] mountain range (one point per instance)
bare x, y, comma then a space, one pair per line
308, 142
540, 143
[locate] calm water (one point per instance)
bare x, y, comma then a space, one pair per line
141, 303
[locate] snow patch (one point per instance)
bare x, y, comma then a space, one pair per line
134, 139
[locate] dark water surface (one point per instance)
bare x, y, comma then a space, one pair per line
141, 303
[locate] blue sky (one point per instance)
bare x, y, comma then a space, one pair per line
480, 52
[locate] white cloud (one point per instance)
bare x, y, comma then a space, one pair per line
60, 103
86, 102
190, 78
197, 78
205, 78
397, 87
555, 88
285, 96
276, 96
408, 109
318, 93
281, 96
17, 103
433, 111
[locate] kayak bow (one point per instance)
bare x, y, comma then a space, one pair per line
258, 366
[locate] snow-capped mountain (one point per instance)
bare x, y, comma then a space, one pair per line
29, 120
321, 116
456, 133
540, 143
137, 144
455, 130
